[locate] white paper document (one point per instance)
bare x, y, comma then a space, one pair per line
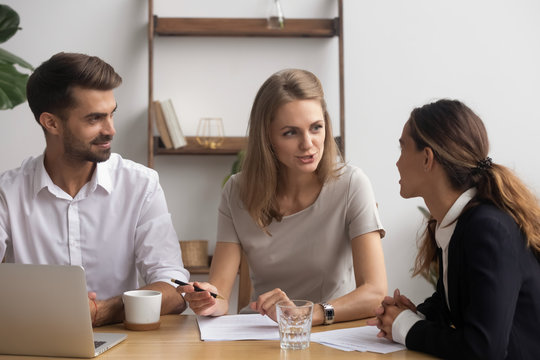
362, 338
238, 327
258, 327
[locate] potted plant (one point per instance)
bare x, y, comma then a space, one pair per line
12, 82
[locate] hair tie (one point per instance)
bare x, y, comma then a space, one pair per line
484, 164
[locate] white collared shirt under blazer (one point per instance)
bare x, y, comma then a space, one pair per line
117, 225
443, 233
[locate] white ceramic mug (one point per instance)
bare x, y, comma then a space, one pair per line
142, 307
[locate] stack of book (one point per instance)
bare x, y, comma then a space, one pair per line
168, 124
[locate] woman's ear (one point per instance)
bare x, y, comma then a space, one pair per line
50, 122
429, 159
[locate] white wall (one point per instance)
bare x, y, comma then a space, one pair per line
398, 55
402, 54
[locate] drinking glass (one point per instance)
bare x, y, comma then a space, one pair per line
294, 320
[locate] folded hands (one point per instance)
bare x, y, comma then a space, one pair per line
387, 312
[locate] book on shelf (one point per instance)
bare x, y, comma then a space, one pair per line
173, 124
161, 125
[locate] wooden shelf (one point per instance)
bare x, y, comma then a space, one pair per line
230, 146
168, 26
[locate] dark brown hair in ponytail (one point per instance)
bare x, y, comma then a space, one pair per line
460, 144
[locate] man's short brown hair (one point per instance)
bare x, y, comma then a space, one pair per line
49, 88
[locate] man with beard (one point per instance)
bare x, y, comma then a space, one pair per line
80, 204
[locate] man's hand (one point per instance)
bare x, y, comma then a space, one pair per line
103, 312
92, 302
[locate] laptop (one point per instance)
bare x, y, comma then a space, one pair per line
44, 311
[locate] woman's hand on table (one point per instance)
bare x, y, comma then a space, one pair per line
404, 301
266, 303
201, 302
387, 312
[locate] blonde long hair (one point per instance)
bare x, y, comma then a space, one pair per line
459, 141
259, 179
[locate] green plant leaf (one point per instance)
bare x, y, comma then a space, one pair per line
225, 180
12, 87
12, 82
236, 166
9, 22
8, 58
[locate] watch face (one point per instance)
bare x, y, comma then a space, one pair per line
328, 313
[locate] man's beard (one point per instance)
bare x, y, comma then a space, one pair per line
77, 150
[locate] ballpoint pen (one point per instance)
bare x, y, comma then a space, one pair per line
217, 296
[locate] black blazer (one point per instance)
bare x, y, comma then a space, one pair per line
493, 291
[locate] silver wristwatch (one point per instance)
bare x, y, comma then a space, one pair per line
328, 313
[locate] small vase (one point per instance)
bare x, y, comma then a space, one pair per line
210, 132
275, 15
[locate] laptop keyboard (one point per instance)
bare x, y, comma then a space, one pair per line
98, 344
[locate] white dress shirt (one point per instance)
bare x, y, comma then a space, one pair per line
116, 227
443, 233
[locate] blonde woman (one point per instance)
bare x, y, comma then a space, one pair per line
485, 236
308, 224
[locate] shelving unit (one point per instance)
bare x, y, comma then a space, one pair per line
235, 27
231, 145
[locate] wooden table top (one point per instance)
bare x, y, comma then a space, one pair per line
178, 338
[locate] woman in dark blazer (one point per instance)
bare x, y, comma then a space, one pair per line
483, 235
